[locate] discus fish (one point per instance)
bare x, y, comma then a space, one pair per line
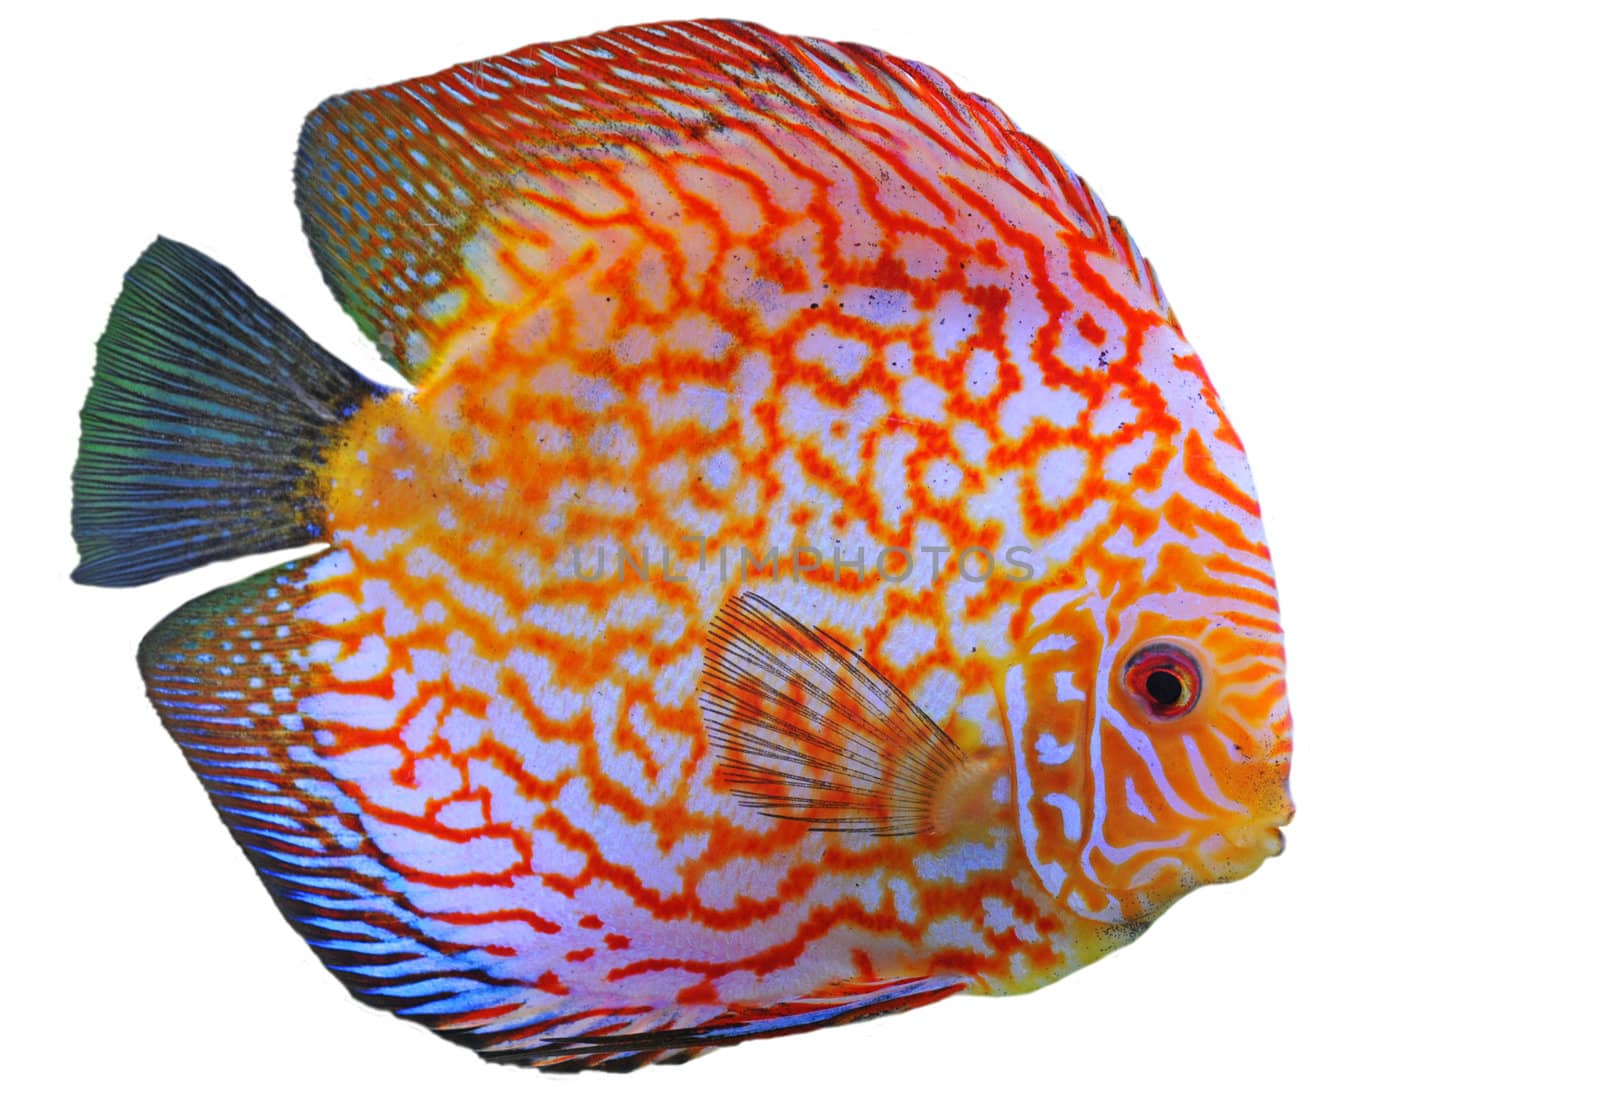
809, 575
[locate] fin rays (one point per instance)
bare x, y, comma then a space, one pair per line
208, 416
810, 731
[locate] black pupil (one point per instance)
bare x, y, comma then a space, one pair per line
1164, 688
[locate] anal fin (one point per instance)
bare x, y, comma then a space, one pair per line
613, 1048
226, 673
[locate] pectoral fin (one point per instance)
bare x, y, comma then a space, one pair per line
809, 730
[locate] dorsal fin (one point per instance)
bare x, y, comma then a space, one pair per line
810, 731
396, 183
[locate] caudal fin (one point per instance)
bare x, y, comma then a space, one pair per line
204, 426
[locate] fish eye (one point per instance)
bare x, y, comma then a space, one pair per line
1165, 679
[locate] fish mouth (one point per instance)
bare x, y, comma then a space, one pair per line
1274, 835
1283, 816
1257, 842
1276, 830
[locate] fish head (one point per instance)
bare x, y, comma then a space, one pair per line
1150, 730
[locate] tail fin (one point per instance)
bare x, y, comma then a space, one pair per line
208, 416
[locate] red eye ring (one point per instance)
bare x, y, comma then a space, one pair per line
1164, 678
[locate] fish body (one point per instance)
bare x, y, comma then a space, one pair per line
810, 576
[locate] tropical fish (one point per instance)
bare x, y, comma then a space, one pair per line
809, 576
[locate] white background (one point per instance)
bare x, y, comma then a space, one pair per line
1377, 223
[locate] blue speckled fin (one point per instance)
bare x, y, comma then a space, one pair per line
227, 673
613, 1047
201, 435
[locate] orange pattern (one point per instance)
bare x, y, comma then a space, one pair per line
697, 311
